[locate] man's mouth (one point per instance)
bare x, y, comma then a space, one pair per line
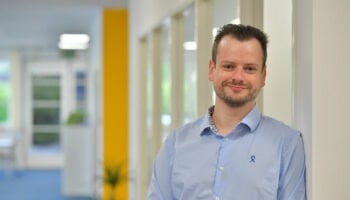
237, 88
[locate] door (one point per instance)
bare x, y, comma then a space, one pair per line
44, 108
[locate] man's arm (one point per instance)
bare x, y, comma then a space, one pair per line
292, 181
160, 185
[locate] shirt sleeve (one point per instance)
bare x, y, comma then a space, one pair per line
292, 179
160, 184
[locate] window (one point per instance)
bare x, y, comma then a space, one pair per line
5, 91
190, 67
166, 79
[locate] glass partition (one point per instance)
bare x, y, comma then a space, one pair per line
166, 78
190, 66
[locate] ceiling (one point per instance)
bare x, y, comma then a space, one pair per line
27, 24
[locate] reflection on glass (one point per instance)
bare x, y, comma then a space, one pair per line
43, 92
45, 139
46, 116
46, 92
190, 68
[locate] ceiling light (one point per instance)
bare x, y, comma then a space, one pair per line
74, 41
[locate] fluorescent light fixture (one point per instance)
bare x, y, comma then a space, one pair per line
73, 46
190, 46
74, 41
78, 38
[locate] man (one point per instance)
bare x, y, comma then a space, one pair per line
234, 152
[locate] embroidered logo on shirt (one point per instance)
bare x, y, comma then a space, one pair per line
252, 158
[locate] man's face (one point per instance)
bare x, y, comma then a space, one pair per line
238, 74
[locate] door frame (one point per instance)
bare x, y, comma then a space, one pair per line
52, 67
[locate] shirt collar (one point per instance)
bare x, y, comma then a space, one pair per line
251, 120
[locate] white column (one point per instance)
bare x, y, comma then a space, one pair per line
322, 97
204, 26
177, 60
277, 99
142, 172
157, 91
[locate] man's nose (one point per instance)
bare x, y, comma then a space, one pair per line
237, 74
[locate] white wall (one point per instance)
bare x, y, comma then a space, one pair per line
277, 93
330, 99
302, 80
322, 58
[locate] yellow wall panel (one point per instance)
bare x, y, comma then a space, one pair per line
115, 93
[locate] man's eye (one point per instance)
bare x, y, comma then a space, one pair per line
250, 69
228, 67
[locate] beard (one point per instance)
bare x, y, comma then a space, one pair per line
235, 101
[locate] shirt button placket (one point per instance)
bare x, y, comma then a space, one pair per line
220, 170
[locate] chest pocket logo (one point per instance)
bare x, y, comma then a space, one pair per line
252, 158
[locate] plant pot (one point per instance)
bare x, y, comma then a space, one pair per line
78, 161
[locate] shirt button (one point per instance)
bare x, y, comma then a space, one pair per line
221, 168
217, 198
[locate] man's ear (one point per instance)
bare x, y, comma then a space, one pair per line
211, 70
263, 76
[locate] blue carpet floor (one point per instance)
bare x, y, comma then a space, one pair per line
33, 185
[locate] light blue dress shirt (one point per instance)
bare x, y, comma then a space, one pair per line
261, 159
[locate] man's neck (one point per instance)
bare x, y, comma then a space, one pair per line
226, 118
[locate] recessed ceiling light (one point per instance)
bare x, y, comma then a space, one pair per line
74, 41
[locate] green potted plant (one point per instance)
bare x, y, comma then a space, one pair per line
113, 176
75, 118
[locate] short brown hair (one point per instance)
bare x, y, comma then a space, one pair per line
241, 33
